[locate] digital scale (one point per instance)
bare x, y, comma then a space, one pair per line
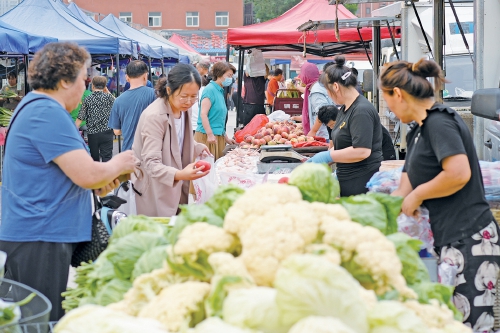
279, 154
278, 157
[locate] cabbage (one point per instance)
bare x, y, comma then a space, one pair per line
414, 269
315, 182
320, 325
191, 214
309, 285
133, 224
125, 252
394, 317
216, 325
112, 292
432, 290
150, 260
254, 308
223, 199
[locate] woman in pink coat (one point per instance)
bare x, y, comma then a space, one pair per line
165, 147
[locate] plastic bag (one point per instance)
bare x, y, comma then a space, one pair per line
255, 64
252, 127
491, 180
278, 116
417, 228
126, 192
447, 273
385, 181
205, 187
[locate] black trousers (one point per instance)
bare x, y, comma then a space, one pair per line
249, 111
356, 185
101, 145
42, 266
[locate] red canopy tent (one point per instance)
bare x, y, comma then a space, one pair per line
281, 34
176, 39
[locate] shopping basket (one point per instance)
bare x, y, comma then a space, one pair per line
34, 315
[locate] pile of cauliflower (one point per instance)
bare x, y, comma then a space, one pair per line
279, 264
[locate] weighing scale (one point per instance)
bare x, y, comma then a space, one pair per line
279, 154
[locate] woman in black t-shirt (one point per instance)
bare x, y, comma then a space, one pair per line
442, 173
357, 134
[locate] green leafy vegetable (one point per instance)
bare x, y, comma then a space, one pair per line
368, 211
315, 182
392, 207
223, 199
10, 313
392, 316
199, 268
309, 285
134, 224
125, 252
112, 292
191, 214
431, 290
150, 260
215, 299
414, 269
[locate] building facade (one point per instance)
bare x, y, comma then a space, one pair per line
171, 14
6, 5
365, 9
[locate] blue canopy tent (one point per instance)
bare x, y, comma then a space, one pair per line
50, 18
74, 10
170, 54
15, 41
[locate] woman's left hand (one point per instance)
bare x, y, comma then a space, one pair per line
230, 141
206, 152
411, 203
102, 192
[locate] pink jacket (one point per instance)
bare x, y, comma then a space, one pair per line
157, 148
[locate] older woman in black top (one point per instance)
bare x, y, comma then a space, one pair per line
442, 172
96, 109
357, 134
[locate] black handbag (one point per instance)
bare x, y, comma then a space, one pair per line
104, 219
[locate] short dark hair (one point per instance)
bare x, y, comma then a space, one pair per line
232, 68
339, 73
136, 68
327, 113
354, 71
328, 64
219, 69
12, 75
204, 64
56, 62
178, 76
99, 82
278, 71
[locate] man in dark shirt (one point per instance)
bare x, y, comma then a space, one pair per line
255, 95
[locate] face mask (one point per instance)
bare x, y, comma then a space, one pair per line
227, 82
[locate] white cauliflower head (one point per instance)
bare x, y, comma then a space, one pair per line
175, 306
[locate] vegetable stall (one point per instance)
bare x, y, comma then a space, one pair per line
274, 258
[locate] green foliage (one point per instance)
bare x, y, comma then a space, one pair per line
268, 9
352, 7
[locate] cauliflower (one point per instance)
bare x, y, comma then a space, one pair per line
195, 243
326, 251
369, 297
255, 202
230, 273
94, 318
368, 255
145, 288
178, 306
434, 315
320, 325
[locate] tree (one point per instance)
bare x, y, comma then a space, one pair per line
352, 7
269, 9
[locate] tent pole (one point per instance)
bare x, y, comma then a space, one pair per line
118, 94
149, 64
26, 87
376, 62
162, 66
228, 49
239, 109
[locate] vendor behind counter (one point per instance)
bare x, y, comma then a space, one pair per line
11, 103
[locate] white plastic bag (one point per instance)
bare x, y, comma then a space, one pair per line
126, 192
417, 228
205, 187
255, 64
278, 116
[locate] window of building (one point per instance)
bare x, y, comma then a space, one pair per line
192, 19
368, 10
154, 19
126, 17
221, 19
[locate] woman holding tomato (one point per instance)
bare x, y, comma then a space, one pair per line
165, 146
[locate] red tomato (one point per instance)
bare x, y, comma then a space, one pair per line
283, 180
207, 166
